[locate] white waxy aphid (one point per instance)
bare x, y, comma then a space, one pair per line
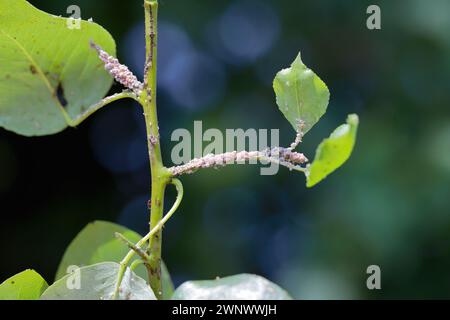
284, 156
119, 71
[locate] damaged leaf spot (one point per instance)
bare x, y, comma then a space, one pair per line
33, 69
60, 95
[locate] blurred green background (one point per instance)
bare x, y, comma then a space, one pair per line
389, 205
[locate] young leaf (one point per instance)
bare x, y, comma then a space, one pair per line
47, 69
333, 151
98, 282
237, 287
96, 243
301, 95
27, 285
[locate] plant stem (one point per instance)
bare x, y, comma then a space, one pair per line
126, 260
160, 174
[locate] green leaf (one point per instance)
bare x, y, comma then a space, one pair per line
27, 285
333, 151
47, 69
96, 243
98, 282
237, 287
166, 280
301, 95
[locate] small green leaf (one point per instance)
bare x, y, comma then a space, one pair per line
47, 69
237, 287
333, 151
98, 282
96, 243
301, 95
27, 285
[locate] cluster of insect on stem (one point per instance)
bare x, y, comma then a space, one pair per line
119, 71
283, 156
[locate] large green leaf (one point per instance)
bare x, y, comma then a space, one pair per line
237, 287
333, 151
27, 285
47, 69
96, 243
301, 94
98, 282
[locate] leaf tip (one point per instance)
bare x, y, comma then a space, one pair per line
353, 119
298, 60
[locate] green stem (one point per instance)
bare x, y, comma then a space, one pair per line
140, 252
126, 260
135, 264
160, 174
89, 111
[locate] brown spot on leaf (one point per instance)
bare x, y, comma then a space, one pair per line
60, 95
33, 69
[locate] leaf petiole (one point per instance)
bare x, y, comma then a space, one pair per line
89, 111
135, 264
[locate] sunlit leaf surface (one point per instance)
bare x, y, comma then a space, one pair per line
47, 68
301, 94
333, 151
